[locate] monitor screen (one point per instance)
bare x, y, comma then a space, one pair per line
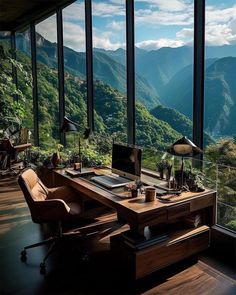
126, 161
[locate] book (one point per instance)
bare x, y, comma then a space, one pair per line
146, 243
192, 220
138, 241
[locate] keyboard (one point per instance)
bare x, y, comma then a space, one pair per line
111, 181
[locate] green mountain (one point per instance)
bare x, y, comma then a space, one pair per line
220, 95
178, 121
110, 109
178, 93
106, 69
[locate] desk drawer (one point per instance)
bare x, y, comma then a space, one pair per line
139, 263
155, 258
178, 211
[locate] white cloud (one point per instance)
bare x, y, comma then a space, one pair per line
185, 34
157, 18
104, 9
116, 25
170, 5
103, 40
74, 12
156, 44
74, 36
48, 29
220, 26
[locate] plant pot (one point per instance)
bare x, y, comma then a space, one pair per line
134, 193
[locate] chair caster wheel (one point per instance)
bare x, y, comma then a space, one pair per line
86, 257
42, 268
23, 255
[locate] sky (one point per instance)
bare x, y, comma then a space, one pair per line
158, 23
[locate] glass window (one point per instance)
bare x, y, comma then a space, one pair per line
46, 38
109, 64
75, 66
220, 103
164, 66
23, 55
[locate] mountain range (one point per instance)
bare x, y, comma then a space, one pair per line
163, 77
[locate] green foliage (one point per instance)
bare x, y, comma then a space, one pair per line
231, 225
223, 152
12, 111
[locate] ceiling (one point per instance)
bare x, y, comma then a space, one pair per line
16, 14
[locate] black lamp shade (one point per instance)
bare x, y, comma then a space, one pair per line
184, 147
68, 125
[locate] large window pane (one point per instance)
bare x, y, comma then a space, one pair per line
47, 81
75, 66
164, 66
220, 103
23, 55
109, 64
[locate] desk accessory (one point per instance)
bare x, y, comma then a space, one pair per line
71, 126
150, 194
183, 147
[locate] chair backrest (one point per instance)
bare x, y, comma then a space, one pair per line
33, 190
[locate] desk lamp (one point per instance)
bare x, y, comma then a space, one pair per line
184, 147
71, 126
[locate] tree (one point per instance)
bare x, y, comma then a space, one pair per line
12, 111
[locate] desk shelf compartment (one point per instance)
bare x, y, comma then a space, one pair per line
180, 245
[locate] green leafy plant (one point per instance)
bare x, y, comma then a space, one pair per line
12, 111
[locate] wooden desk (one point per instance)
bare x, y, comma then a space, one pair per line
139, 214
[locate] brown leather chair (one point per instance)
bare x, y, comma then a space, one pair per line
48, 205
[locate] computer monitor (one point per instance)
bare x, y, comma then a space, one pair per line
126, 161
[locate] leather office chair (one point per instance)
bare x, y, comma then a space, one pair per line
48, 205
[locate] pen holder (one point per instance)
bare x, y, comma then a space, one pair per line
150, 194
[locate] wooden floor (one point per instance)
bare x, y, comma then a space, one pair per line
69, 273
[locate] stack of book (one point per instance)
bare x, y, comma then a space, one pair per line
192, 220
138, 241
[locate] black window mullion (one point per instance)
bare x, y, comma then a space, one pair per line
198, 82
89, 63
61, 80
130, 68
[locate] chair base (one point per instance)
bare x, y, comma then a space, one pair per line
54, 241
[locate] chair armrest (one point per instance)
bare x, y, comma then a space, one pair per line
50, 210
66, 193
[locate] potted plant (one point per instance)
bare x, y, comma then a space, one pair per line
134, 187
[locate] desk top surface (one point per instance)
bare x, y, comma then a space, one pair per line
118, 198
